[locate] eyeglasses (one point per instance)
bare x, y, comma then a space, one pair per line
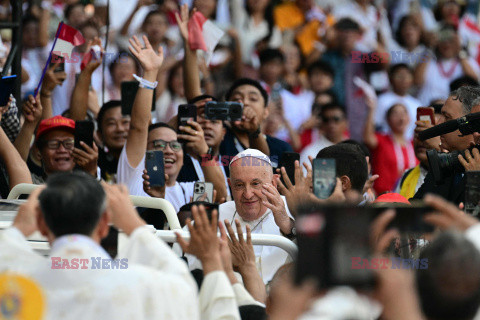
68, 144
162, 145
334, 119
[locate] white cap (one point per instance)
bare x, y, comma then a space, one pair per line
252, 153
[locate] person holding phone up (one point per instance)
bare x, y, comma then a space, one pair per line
159, 136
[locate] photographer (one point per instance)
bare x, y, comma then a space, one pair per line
459, 103
471, 161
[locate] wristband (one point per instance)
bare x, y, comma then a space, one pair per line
145, 83
255, 134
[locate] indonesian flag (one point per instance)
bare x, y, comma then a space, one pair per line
66, 39
203, 35
95, 53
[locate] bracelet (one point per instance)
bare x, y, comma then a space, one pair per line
255, 134
145, 83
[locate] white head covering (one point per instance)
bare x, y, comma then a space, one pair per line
252, 153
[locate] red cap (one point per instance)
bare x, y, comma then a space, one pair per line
391, 198
57, 122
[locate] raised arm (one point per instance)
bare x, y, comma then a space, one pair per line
191, 77
50, 81
16, 168
137, 136
32, 111
369, 137
79, 100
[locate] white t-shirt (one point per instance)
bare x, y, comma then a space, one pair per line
178, 195
388, 99
313, 149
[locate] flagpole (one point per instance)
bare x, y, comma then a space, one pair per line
49, 59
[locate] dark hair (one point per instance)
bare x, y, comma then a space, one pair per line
202, 97
450, 287
171, 73
350, 161
268, 16
406, 19
72, 203
269, 55
437, 11
68, 9
332, 106
152, 13
107, 106
396, 67
463, 81
89, 23
29, 19
362, 146
157, 125
118, 59
250, 82
322, 66
390, 110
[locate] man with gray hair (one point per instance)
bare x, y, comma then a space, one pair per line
257, 204
459, 103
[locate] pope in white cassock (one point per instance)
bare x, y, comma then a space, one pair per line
256, 202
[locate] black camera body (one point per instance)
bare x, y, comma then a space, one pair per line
445, 164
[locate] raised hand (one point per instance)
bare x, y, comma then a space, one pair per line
154, 192
96, 61
146, 55
182, 21
26, 219
450, 216
32, 110
52, 79
272, 199
87, 158
194, 138
242, 252
249, 122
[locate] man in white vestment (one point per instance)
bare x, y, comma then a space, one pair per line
258, 204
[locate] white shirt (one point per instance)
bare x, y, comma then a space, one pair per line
436, 85
387, 100
177, 195
313, 149
269, 258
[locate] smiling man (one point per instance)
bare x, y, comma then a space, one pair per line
258, 204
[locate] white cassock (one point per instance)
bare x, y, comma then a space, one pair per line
269, 258
156, 284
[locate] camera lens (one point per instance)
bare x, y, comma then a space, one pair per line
443, 164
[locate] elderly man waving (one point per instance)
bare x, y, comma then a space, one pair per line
258, 204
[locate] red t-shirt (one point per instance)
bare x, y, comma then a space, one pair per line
389, 160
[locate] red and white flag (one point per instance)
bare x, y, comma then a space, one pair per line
67, 38
203, 35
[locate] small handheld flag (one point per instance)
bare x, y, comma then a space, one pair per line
203, 35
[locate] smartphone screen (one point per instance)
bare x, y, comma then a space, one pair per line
324, 177
110, 243
60, 60
6, 88
83, 132
287, 160
472, 193
426, 114
155, 168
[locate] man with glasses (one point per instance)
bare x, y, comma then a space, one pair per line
55, 142
333, 126
160, 136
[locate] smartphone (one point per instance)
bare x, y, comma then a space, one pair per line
225, 111
334, 248
203, 191
129, 91
6, 88
472, 193
287, 160
155, 168
186, 112
409, 219
110, 243
426, 114
83, 132
186, 211
324, 177
57, 59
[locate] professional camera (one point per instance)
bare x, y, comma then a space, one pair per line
467, 125
445, 164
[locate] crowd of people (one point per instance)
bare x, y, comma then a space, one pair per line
325, 79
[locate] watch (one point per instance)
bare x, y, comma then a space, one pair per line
255, 134
292, 235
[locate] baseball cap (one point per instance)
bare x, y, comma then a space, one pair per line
57, 122
391, 198
252, 153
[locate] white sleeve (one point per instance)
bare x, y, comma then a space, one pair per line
16, 253
144, 248
217, 298
244, 297
473, 234
128, 175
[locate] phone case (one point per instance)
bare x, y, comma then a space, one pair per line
203, 191
83, 132
155, 168
426, 114
6, 88
324, 177
287, 160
